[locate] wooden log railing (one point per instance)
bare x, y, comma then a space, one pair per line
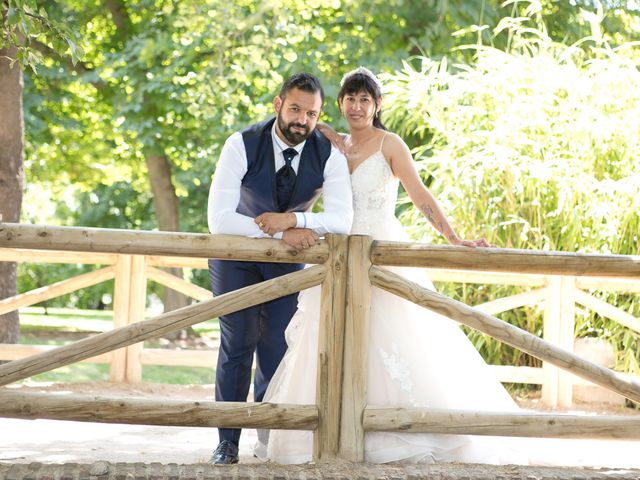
522, 424
556, 389
349, 269
133, 271
131, 265
134, 242
162, 325
125, 251
504, 260
142, 411
505, 332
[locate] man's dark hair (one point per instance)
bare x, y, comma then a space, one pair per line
302, 81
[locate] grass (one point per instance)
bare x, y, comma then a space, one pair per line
34, 319
95, 372
40, 328
76, 320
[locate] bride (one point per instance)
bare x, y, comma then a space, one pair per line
416, 358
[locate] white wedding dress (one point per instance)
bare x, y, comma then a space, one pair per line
417, 358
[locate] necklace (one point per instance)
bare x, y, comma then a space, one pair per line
355, 148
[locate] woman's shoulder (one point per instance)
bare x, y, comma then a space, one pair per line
395, 150
392, 142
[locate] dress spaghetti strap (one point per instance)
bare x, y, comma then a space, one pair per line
382, 141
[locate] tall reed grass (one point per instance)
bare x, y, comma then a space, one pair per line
536, 147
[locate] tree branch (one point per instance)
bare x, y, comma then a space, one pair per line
119, 14
80, 67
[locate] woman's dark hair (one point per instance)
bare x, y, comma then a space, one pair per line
302, 81
356, 82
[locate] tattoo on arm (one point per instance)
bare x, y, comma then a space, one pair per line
428, 212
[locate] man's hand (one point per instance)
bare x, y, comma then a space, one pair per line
336, 139
300, 238
272, 223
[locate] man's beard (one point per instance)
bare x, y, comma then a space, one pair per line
293, 137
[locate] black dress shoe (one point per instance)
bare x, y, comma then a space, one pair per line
225, 454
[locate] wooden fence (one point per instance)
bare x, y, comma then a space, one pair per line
346, 267
559, 294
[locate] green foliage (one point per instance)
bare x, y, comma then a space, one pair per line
108, 206
37, 325
529, 143
176, 78
37, 275
535, 147
25, 25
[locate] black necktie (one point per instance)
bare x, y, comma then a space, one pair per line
285, 179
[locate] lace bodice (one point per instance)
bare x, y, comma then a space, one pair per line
375, 191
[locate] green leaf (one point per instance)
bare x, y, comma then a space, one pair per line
13, 16
72, 46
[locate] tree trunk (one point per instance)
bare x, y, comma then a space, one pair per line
165, 201
11, 176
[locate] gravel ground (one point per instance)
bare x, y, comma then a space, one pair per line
322, 471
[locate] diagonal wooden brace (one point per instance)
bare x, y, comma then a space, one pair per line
163, 324
505, 332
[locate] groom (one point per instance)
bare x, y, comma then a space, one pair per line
266, 181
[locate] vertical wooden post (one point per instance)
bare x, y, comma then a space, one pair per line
559, 322
566, 337
121, 289
551, 332
356, 348
330, 347
137, 304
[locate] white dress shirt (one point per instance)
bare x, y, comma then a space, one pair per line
224, 195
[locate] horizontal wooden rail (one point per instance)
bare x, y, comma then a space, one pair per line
504, 332
620, 285
48, 256
16, 351
486, 278
135, 242
163, 324
56, 289
143, 411
177, 284
607, 310
513, 374
166, 261
179, 358
521, 424
148, 356
504, 304
504, 260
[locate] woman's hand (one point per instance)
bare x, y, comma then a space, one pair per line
481, 242
336, 139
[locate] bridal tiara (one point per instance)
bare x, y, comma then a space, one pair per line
362, 71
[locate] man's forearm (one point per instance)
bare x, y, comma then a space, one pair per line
326, 222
